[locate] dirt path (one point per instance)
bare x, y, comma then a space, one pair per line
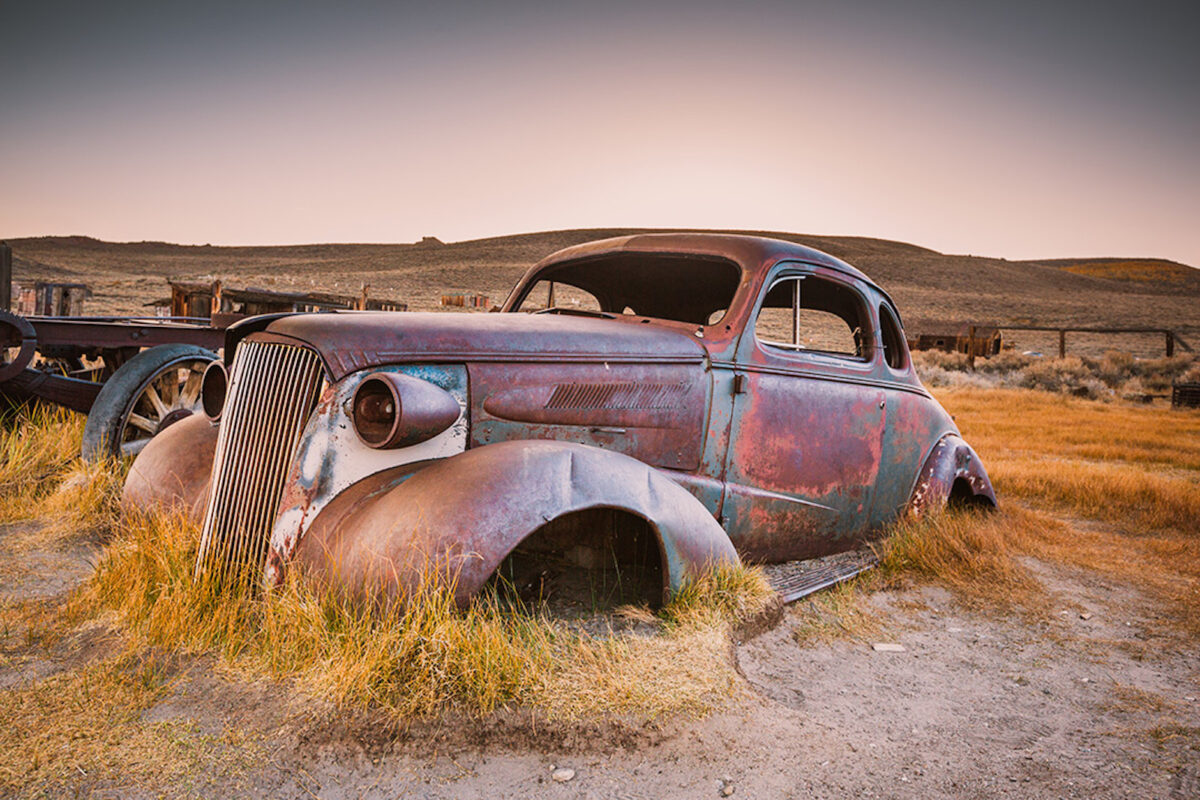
975, 706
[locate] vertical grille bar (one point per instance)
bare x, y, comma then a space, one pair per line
272, 389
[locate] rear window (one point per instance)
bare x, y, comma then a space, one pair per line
895, 350
689, 289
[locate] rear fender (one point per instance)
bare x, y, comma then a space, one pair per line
951, 462
463, 515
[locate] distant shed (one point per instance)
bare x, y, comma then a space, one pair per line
467, 300
204, 300
975, 340
46, 299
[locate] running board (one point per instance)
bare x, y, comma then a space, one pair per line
791, 587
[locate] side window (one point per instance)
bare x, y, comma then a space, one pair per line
895, 349
810, 313
776, 323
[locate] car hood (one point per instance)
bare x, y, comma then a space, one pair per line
351, 341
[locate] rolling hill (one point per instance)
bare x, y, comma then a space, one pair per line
930, 288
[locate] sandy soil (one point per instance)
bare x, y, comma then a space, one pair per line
975, 706
1092, 698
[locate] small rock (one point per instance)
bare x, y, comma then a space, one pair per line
887, 647
727, 790
77, 481
562, 775
1086, 615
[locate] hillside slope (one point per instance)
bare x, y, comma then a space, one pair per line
928, 286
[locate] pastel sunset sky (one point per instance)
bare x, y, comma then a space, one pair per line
1020, 129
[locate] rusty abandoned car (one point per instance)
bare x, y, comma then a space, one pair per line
673, 400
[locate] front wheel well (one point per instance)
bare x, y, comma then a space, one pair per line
584, 561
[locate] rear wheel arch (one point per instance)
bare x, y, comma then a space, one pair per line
952, 474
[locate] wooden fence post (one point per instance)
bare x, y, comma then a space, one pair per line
1062, 343
5, 277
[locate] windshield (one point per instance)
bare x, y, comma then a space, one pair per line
684, 288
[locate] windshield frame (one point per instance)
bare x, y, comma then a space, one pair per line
528, 282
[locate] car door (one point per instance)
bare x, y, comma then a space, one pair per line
807, 419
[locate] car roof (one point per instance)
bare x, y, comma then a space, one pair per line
752, 253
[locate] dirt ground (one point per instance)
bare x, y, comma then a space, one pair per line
1091, 697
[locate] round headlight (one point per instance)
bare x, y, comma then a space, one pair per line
212, 390
395, 410
376, 412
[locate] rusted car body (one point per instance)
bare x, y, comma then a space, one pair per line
680, 390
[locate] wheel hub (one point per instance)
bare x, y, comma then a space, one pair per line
173, 417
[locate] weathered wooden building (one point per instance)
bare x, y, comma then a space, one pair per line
47, 299
974, 340
209, 300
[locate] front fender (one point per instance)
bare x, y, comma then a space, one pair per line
952, 461
463, 515
174, 469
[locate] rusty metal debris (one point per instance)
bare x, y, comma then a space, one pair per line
797, 580
727, 396
1185, 395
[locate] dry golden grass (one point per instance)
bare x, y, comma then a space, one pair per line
840, 612
37, 447
84, 727
423, 656
971, 552
1117, 487
1132, 270
1017, 424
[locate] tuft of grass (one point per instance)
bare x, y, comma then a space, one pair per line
971, 552
1132, 700
838, 612
725, 593
423, 656
37, 447
87, 498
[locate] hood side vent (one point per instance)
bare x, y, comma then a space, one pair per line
617, 396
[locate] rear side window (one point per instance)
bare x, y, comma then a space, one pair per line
895, 349
813, 314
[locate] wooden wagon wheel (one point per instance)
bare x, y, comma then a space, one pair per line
149, 393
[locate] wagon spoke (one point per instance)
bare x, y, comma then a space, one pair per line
160, 408
132, 448
144, 423
191, 389
169, 381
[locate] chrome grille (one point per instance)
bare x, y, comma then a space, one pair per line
272, 390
